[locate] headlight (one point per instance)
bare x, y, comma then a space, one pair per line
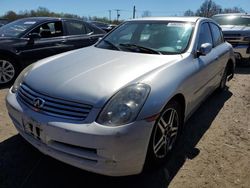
124, 106
20, 78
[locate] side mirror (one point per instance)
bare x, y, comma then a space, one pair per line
204, 49
32, 37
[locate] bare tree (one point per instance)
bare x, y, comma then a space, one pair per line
208, 9
189, 13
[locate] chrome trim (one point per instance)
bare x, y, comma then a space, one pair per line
53, 106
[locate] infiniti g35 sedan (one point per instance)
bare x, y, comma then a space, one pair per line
118, 107
27, 40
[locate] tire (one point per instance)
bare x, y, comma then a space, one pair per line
165, 133
223, 82
8, 71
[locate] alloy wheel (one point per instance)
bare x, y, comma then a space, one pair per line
165, 133
7, 71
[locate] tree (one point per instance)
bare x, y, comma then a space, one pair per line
146, 13
189, 13
208, 9
233, 10
11, 15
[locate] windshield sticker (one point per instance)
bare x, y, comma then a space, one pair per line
29, 23
179, 24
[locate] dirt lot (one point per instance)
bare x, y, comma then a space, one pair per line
214, 150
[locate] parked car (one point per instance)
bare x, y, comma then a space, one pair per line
236, 30
104, 26
3, 22
119, 106
27, 40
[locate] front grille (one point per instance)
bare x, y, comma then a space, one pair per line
232, 38
53, 106
232, 35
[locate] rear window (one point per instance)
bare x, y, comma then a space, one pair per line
232, 20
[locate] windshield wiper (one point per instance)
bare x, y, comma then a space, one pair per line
111, 44
142, 48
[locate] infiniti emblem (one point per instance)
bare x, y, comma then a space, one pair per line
38, 103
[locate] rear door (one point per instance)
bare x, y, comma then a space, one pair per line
79, 34
221, 51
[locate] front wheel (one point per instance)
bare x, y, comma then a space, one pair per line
8, 71
164, 134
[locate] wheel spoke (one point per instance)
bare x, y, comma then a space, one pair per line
173, 133
3, 64
9, 71
8, 66
160, 144
163, 122
10, 75
5, 79
161, 125
171, 118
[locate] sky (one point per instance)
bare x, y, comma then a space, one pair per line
101, 8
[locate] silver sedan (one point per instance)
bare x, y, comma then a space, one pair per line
117, 107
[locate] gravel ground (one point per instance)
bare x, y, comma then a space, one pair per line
214, 150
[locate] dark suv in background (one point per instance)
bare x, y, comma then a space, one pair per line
27, 40
236, 30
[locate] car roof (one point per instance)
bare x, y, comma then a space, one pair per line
232, 14
174, 18
41, 19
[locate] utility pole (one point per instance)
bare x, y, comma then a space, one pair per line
134, 12
110, 16
117, 14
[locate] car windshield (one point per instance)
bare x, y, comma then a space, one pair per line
16, 28
159, 37
233, 20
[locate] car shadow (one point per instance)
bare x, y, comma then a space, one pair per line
4, 87
242, 70
21, 165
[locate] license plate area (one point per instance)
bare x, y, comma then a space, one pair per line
32, 128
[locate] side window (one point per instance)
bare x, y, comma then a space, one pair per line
75, 28
48, 30
217, 35
88, 29
205, 35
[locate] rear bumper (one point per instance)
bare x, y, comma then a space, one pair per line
113, 151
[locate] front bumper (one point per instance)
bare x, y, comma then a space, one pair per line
113, 151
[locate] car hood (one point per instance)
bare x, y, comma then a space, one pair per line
235, 29
92, 75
